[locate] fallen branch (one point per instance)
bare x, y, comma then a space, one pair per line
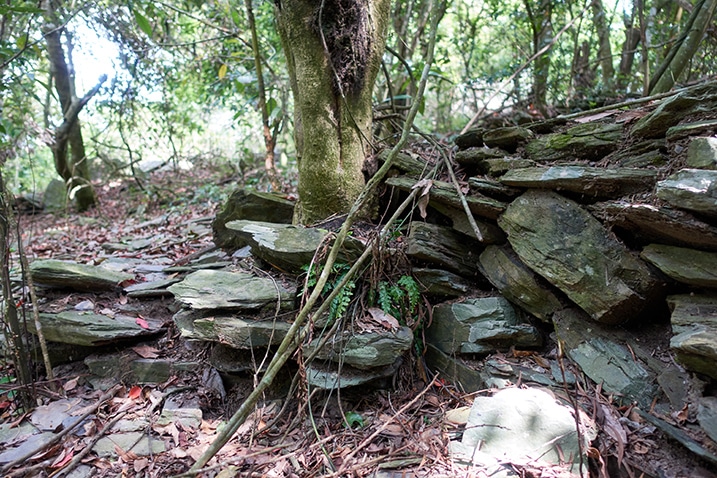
93, 409
383, 426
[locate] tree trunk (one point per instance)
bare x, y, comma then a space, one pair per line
68, 149
684, 48
627, 56
269, 135
542, 26
602, 27
333, 51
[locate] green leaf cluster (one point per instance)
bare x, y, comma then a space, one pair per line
340, 304
400, 299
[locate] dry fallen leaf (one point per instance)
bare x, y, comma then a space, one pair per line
145, 351
70, 384
386, 320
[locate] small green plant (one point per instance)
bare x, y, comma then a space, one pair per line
341, 302
399, 299
353, 419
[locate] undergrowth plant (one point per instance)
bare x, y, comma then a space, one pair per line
341, 302
400, 299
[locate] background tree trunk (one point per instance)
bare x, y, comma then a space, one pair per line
69, 148
684, 48
602, 27
333, 51
542, 26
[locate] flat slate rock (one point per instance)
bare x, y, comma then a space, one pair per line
698, 268
489, 232
691, 189
666, 225
507, 138
71, 275
471, 138
697, 99
287, 247
442, 247
364, 351
250, 205
518, 283
231, 330
493, 188
332, 376
480, 326
411, 165
585, 180
572, 250
694, 323
519, 425
473, 157
445, 193
605, 358
89, 329
702, 153
210, 289
589, 141
438, 282
496, 167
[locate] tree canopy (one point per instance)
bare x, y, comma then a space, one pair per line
199, 81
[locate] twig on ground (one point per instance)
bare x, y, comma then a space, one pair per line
383, 426
110, 393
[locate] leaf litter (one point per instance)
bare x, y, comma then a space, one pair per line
402, 432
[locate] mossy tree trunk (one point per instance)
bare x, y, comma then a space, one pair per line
333, 51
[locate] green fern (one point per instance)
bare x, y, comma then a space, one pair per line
341, 302
400, 299
410, 285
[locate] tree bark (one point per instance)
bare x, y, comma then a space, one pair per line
684, 48
68, 149
542, 26
602, 27
333, 50
269, 135
627, 56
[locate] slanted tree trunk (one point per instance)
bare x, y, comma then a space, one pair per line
68, 149
602, 27
268, 131
684, 48
333, 50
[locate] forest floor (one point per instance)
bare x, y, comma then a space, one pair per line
383, 433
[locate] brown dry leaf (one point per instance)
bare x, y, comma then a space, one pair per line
640, 448
682, 415
541, 361
595, 117
126, 456
615, 430
168, 429
70, 384
145, 351
426, 184
140, 464
392, 429
386, 320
